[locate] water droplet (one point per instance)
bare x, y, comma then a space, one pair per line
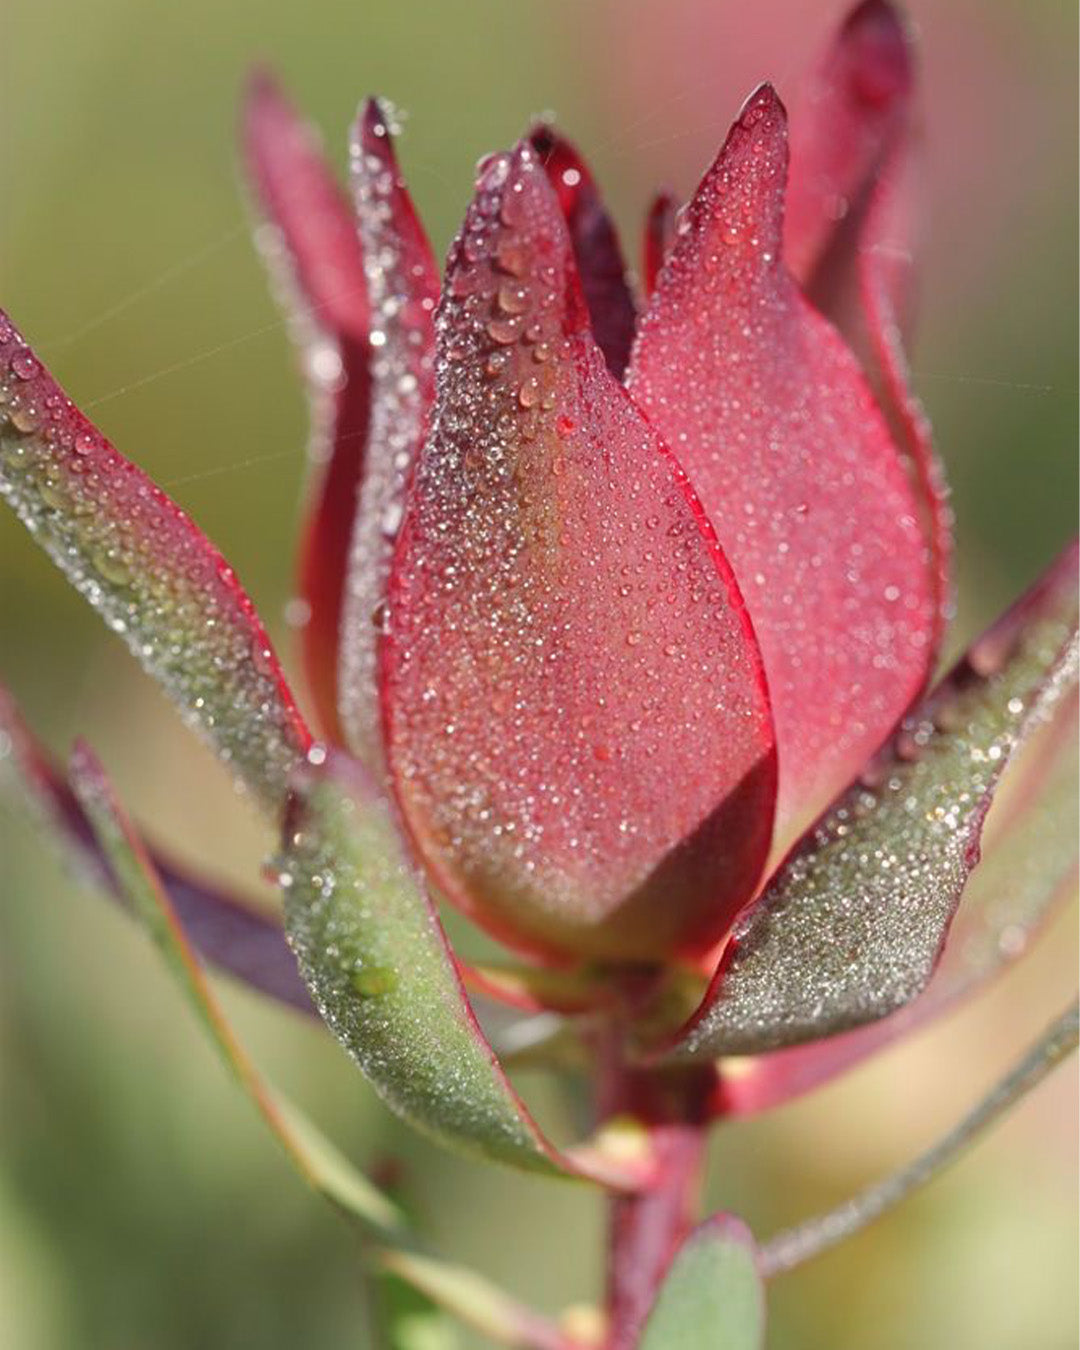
24, 364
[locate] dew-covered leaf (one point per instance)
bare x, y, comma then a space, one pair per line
230, 932
403, 287
381, 973
1028, 870
136, 879
712, 1297
576, 721
597, 253
149, 571
773, 421
852, 926
312, 249
658, 237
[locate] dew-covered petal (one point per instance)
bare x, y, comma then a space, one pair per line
403, 289
1027, 872
382, 974
853, 925
577, 726
149, 571
658, 237
773, 421
851, 233
230, 932
856, 103
599, 258
312, 249
713, 1296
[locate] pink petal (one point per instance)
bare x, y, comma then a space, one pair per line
795, 466
576, 722
599, 259
150, 572
659, 234
851, 223
856, 104
403, 286
316, 257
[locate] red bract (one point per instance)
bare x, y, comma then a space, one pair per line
611, 606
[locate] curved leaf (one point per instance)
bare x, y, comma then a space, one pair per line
713, 1297
403, 286
232, 933
597, 253
1025, 875
314, 255
318, 1161
775, 425
852, 926
576, 719
381, 973
153, 576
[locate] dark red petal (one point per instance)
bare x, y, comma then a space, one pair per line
576, 720
403, 285
150, 572
230, 932
314, 252
600, 265
857, 102
773, 421
659, 234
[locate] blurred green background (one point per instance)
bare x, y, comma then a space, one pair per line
140, 1203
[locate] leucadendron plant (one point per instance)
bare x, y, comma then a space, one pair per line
620, 607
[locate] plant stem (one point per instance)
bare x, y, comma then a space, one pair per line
807, 1240
646, 1229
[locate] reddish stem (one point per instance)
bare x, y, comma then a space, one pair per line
645, 1230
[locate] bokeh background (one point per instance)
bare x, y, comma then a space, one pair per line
140, 1203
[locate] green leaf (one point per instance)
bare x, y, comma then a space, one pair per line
381, 972
712, 1296
852, 926
461, 1292
147, 569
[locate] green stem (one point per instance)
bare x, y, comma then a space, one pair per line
807, 1240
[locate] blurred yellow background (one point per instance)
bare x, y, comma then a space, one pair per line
140, 1203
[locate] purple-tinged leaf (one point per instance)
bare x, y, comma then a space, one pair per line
142, 889
597, 253
403, 289
382, 974
852, 926
149, 571
233, 934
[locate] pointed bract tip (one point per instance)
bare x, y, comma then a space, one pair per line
762, 102
881, 43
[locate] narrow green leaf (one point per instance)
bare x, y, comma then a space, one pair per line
315, 1157
381, 972
712, 1297
460, 1291
852, 926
